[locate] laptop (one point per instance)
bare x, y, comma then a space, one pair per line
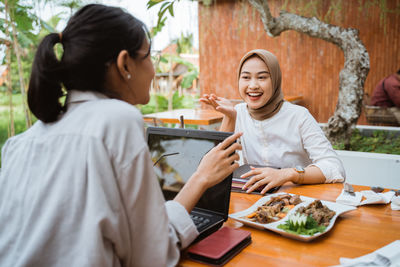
176, 154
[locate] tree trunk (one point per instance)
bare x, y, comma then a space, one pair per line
5, 41
155, 80
11, 128
20, 72
352, 76
156, 93
170, 85
9, 91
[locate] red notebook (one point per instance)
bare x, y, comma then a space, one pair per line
219, 247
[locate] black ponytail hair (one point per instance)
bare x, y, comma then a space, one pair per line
45, 83
92, 39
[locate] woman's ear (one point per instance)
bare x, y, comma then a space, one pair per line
123, 67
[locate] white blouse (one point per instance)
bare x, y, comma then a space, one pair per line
291, 137
82, 192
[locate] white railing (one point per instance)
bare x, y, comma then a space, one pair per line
371, 169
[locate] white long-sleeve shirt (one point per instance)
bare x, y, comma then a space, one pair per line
82, 192
290, 138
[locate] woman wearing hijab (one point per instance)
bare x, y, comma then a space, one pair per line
275, 132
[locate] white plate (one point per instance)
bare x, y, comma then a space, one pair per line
273, 226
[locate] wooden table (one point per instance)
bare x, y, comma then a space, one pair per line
294, 98
354, 234
204, 117
191, 116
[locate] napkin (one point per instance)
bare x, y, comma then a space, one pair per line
376, 198
348, 199
395, 203
388, 255
370, 198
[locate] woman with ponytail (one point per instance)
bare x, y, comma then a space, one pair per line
78, 187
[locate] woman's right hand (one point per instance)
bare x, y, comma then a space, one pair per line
215, 166
220, 104
219, 162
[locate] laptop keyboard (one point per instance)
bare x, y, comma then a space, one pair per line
199, 220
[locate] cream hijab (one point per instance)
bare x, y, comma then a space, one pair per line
274, 104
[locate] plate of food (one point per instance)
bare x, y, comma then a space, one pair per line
298, 217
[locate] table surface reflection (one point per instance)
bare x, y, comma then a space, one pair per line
354, 234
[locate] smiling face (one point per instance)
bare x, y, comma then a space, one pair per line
255, 85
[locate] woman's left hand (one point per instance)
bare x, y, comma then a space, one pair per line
269, 177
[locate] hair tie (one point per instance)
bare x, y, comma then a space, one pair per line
60, 35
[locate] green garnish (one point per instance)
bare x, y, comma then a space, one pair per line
301, 224
285, 210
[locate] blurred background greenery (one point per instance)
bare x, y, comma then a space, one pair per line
175, 85
21, 30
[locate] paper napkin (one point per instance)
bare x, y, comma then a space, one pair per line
370, 198
395, 203
376, 198
388, 255
349, 199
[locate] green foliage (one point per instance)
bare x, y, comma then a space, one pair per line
189, 77
19, 125
30, 30
71, 4
310, 227
51, 25
206, 2
159, 103
163, 59
156, 29
5, 100
184, 43
180, 60
19, 117
177, 100
162, 12
158, 60
26, 25
26, 62
379, 142
25, 21
192, 71
166, 5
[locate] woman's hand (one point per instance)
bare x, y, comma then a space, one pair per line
219, 162
269, 177
216, 165
220, 104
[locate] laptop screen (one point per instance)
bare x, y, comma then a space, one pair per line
176, 153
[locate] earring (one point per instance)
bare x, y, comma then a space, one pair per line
128, 76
